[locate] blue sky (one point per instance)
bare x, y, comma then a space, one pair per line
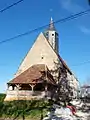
74, 35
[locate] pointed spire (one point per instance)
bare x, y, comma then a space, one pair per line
51, 25
51, 20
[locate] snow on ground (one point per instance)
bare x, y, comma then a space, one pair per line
61, 113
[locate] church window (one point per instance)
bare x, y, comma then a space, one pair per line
47, 35
42, 57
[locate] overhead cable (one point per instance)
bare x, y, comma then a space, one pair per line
71, 17
8, 7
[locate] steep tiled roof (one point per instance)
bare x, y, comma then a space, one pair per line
34, 74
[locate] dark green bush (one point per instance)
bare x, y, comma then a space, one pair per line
19, 108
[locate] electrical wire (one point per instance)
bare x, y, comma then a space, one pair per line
71, 17
8, 7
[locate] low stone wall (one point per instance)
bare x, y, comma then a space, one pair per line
25, 95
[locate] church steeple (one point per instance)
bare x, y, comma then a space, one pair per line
52, 36
51, 25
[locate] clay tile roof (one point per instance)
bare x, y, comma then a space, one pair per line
33, 75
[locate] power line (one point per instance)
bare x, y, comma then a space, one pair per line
8, 7
41, 27
73, 16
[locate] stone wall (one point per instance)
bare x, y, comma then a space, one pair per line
25, 95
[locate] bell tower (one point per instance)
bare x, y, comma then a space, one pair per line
52, 36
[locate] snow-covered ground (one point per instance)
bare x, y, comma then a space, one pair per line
62, 113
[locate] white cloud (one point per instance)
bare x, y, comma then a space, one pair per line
85, 30
71, 6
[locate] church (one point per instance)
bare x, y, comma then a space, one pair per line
41, 70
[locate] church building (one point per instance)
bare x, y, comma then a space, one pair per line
41, 70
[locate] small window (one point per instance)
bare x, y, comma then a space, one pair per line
46, 34
42, 57
52, 34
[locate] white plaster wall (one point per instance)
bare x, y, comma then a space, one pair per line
73, 82
40, 53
